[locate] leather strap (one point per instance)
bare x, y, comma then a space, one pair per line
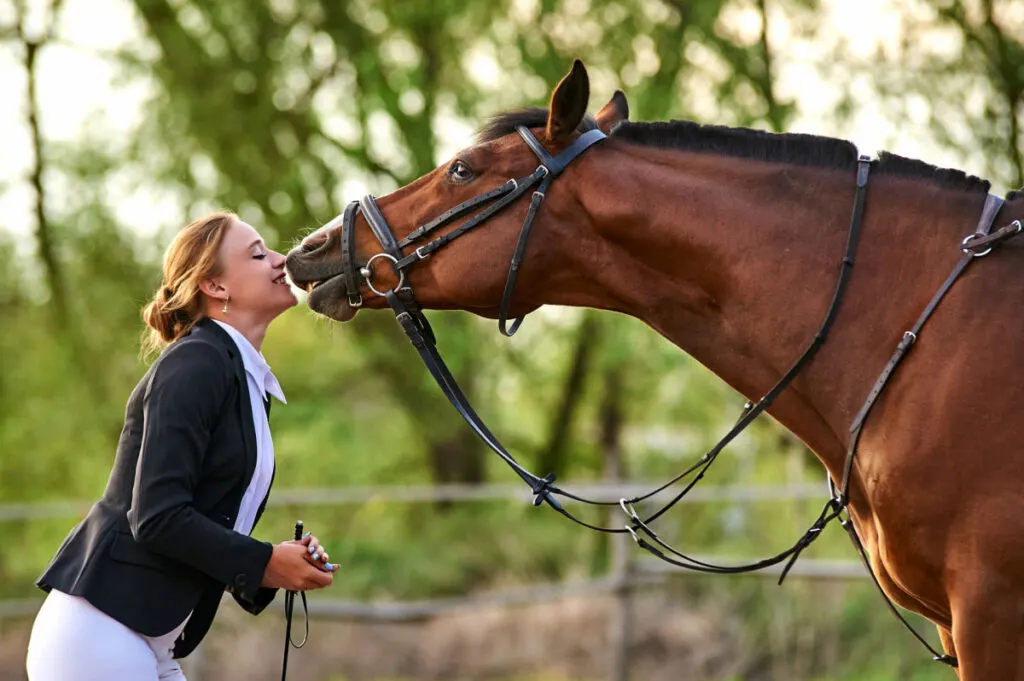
988, 215
557, 164
348, 254
371, 211
517, 261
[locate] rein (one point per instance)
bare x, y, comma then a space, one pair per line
416, 326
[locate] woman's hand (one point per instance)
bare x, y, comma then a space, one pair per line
292, 567
317, 554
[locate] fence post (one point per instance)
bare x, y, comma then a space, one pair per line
620, 563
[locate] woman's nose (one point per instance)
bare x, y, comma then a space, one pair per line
277, 259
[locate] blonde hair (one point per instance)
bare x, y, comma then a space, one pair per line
178, 305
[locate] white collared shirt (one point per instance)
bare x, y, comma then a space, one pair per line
261, 382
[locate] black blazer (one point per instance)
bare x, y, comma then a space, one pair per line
160, 543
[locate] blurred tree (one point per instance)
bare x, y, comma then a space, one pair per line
287, 102
958, 71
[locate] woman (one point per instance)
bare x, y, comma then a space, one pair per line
137, 583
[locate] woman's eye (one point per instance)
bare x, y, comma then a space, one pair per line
259, 256
460, 172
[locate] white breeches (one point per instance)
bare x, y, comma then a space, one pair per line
73, 641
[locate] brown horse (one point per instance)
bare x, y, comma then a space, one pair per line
728, 243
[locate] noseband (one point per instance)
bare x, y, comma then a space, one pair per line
495, 200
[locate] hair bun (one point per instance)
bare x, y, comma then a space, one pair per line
179, 303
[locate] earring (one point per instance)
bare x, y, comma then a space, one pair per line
225, 308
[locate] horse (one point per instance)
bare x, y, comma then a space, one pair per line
728, 242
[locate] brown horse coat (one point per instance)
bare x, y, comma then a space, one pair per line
728, 243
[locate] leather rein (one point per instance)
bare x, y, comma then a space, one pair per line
410, 316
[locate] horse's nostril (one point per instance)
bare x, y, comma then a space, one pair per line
313, 241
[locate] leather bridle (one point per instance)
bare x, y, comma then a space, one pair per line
409, 314
495, 200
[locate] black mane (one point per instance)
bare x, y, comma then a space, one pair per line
759, 145
799, 149
530, 117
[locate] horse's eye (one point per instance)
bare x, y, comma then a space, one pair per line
460, 172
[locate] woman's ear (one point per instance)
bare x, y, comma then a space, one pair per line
213, 289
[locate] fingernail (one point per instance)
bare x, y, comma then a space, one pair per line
332, 567
305, 535
312, 549
316, 556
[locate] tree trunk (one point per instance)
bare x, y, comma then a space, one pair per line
552, 458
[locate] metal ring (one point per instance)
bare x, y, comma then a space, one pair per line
633, 533
966, 248
369, 282
627, 508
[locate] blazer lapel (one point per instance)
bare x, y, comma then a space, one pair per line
248, 427
244, 401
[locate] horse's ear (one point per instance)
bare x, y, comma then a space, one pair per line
613, 113
568, 103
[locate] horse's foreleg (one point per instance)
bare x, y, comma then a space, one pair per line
988, 636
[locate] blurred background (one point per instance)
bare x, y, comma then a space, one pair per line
121, 120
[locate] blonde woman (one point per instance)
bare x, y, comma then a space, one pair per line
136, 584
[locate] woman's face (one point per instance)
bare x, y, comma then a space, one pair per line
252, 275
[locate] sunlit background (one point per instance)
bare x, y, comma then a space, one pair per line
120, 121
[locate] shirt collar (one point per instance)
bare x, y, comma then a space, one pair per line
255, 364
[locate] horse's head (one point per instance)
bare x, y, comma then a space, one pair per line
449, 232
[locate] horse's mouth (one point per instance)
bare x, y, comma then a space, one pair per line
328, 297
324, 283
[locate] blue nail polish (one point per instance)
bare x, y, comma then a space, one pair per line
305, 535
312, 549
331, 566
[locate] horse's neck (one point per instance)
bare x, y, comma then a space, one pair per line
737, 261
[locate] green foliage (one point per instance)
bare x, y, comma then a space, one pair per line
285, 110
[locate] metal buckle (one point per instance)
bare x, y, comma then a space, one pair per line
419, 255
965, 245
367, 272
